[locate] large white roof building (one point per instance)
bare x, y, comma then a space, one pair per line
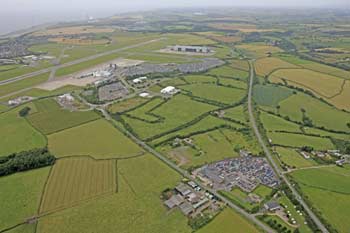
168, 90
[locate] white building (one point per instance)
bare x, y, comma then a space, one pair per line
66, 97
170, 90
139, 80
144, 95
191, 49
102, 73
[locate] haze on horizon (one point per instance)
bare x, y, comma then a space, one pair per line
19, 14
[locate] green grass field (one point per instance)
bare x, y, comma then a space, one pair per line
136, 207
275, 123
20, 196
98, 139
22, 84
331, 118
208, 122
209, 147
293, 159
233, 83
179, 110
228, 71
299, 140
219, 94
142, 112
236, 113
17, 134
269, 95
51, 118
199, 79
229, 222
328, 189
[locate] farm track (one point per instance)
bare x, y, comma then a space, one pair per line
269, 155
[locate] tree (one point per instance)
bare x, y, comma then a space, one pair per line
24, 111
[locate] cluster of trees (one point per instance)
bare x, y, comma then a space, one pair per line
200, 221
25, 160
24, 111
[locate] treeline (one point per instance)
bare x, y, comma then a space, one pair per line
25, 160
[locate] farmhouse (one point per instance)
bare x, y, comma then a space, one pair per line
191, 49
272, 206
170, 90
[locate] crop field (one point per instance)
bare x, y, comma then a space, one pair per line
179, 110
209, 122
269, 95
258, 50
98, 139
21, 192
16, 134
78, 41
73, 180
240, 65
341, 101
293, 159
126, 104
331, 118
322, 187
243, 27
228, 220
51, 118
265, 66
136, 206
22, 84
275, 123
216, 93
316, 66
321, 84
72, 31
300, 140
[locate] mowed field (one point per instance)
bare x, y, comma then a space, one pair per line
98, 139
216, 93
328, 189
17, 134
265, 66
136, 207
300, 140
321, 84
320, 113
51, 118
20, 196
73, 180
270, 95
229, 222
293, 159
179, 110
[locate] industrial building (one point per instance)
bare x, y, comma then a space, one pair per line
170, 90
190, 49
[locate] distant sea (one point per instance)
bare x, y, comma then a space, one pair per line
11, 22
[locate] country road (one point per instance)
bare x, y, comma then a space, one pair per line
53, 68
269, 156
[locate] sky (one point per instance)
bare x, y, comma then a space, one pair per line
18, 14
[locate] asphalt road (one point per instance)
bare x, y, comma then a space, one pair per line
269, 156
50, 69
